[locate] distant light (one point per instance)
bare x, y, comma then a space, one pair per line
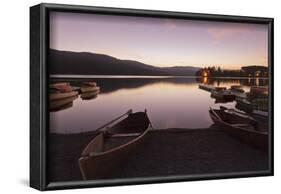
205, 74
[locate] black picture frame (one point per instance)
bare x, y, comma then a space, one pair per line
39, 44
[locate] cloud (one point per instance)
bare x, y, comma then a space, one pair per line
219, 34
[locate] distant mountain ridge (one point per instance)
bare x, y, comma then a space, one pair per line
85, 63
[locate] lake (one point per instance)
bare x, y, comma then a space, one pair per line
171, 102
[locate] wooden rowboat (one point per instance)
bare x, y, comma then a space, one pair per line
241, 126
60, 91
111, 146
222, 94
62, 95
93, 84
89, 87
89, 95
85, 89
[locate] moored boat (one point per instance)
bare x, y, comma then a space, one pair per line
222, 93
89, 87
60, 91
206, 87
210, 88
111, 146
241, 126
244, 104
89, 95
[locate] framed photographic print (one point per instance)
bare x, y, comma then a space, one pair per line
124, 96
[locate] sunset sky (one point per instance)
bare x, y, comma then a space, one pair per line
161, 42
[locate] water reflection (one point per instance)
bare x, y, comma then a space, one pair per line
171, 102
61, 104
233, 81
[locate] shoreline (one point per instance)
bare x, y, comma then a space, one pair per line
78, 76
163, 153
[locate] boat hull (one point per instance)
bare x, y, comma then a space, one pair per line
100, 166
85, 89
254, 138
89, 95
97, 163
222, 96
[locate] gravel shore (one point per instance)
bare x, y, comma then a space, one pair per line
166, 152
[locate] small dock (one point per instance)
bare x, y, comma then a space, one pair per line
206, 87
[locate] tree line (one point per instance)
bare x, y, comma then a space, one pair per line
246, 71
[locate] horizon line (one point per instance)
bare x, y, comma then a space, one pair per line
213, 65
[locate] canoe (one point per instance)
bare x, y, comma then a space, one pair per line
93, 84
210, 88
241, 126
244, 105
58, 91
62, 87
85, 89
206, 87
222, 94
110, 147
89, 95
59, 84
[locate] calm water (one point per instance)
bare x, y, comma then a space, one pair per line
170, 102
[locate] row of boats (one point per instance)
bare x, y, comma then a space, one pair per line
254, 101
100, 157
62, 95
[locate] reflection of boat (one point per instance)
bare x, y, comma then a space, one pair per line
89, 95
222, 93
56, 105
61, 90
89, 87
241, 126
108, 149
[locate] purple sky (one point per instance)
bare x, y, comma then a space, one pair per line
161, 42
